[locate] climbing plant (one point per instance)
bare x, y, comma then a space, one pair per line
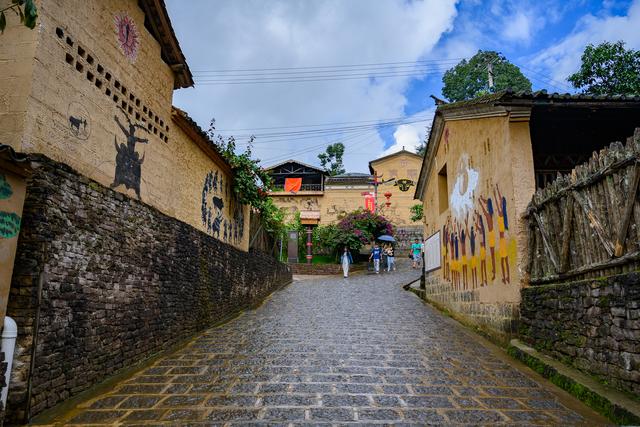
416, 212
25, 9
251, 183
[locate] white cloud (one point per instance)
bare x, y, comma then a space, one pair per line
257, 34
409, 136
517, 27
563, 58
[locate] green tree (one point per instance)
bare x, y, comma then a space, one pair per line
331, 160
470, 79
25, 9
608, 69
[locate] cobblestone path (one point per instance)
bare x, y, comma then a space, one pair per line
335, 351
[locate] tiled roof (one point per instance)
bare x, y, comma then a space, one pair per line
542, 96
196, 132
160, 27
296, 162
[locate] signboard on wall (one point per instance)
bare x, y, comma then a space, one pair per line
432, 254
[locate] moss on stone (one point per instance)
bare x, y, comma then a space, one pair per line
595, 401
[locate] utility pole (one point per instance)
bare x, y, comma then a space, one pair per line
490, 73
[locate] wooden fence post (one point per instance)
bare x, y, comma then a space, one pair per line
628, 210
566, 234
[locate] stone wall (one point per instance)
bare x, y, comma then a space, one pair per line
120, 281
593, 325
320, 269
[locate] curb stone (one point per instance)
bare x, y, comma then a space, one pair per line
616, 406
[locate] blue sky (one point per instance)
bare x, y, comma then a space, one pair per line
545, 38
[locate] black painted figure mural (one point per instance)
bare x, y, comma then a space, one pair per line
128, 160
230, 230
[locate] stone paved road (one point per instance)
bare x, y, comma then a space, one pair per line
336, 351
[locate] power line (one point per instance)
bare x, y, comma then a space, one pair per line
331, 66
318, 78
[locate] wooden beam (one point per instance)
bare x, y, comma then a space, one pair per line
553, 256
566, 234
594, 221
628, 210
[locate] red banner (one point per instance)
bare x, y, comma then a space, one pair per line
370, 203
292, 185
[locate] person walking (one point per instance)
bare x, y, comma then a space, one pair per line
416, 251
346, 260
376, 255
391, 260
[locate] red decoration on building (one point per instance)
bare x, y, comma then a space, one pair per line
370, 203
128, 37
388, 196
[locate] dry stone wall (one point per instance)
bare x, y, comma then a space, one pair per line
120, 281
593, 325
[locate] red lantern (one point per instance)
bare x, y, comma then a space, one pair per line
388, 196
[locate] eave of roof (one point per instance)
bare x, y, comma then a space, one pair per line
200, 137
160, 25
322, 171
388, 156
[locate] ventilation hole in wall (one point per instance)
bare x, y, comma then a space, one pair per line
123, 104
131, 97
108, 77
59, 32
90, 76
100, 69
161, 135
144, 120
155, 130
98, 83
167, 128
117, 84
107, 92
115, 98
137, 116
144, 109
166, 139
81, 51
149, 126
69, 41
90, 59
124, 90
161, 123
156, 119
79, 66
137, 102
150, 114
69, 58
130, 109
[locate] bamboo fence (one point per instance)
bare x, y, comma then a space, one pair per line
586, 224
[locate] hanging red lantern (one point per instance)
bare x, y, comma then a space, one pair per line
388, 196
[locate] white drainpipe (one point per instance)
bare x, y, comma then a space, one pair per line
9, 334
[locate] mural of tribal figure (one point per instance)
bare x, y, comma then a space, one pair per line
464, 243
214, 190
128, 160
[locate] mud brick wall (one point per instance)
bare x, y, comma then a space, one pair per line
120, 282
593, 325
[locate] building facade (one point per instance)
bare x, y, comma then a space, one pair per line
334, 197
484, 160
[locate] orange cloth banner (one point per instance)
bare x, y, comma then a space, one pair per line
292, 185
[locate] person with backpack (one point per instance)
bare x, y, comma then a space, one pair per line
376, 255
346, 260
